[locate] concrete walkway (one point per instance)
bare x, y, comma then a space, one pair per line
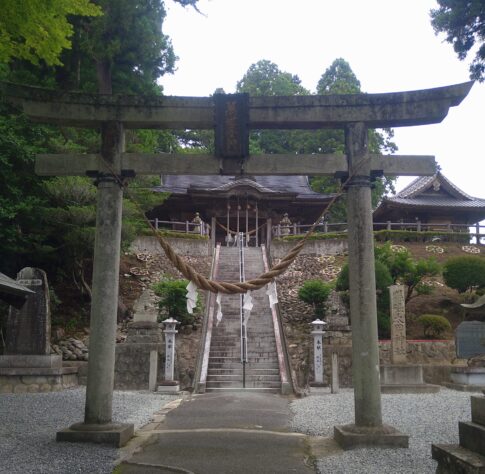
225, 433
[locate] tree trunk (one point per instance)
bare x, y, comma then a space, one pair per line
103, 73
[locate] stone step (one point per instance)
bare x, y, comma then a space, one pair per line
472, 436
237, 365
247, 390
453, 458
249, 377
239, 370
238, 383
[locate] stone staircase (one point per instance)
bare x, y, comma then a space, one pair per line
225, 370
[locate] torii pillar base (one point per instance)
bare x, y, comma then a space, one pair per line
384, 436
114, 434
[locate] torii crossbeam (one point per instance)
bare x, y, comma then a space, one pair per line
232, 117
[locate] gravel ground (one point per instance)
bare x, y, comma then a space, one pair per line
29, 422
426, 418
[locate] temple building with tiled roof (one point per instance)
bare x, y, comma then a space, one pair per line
244, 204
431, 200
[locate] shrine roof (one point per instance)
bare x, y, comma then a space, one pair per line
298, 186
431, 192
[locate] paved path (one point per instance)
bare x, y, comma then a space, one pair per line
224, 433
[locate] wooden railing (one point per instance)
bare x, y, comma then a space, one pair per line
475, 232
186, 227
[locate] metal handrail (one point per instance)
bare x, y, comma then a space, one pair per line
244, 334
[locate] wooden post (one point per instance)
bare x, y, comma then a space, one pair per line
257, 225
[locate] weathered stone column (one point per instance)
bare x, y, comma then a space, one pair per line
368, 428
363, 310
97, 426
104, 305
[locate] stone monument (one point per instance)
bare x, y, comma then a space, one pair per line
401, 377
137, 360
28, 365
470, 344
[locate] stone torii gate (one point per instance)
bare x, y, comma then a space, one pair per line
233, 116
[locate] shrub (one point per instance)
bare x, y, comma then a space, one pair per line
434, 325
173, 301
383, 281
316, 293
464, 273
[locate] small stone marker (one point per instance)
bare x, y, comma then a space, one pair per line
398, 324
170, 332
470, 339
28, 328
318, 349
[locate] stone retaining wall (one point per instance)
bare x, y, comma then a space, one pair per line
191, 247
422, 352
280, 248
18, 381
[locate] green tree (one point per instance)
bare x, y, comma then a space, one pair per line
315, 293
339, 78
465, 273
463, 22
36, 30
406, 271
173, 301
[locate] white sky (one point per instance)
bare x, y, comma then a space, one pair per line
389, 44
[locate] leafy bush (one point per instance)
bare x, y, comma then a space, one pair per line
173, 301
316, 293
464, 273
434, 325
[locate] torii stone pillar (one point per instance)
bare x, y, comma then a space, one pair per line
97, 426
368, 428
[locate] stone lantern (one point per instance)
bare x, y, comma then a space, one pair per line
318, 333
198, 221
285, 224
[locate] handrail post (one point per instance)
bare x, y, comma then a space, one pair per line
418, 225
156, 223
389, 225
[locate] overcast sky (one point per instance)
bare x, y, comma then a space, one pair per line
389, 44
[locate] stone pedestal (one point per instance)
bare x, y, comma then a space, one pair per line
35, 373
400, 377
138, 358
469, 455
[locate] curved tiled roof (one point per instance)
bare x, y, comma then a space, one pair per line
295, 185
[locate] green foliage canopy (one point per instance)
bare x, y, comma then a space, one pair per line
316, 293
465, 273
406, 271
173, 300
434, 325
463, 22
39, 29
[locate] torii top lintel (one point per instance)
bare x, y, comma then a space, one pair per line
396, 109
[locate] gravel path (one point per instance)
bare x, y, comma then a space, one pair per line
29, 422
426, 418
